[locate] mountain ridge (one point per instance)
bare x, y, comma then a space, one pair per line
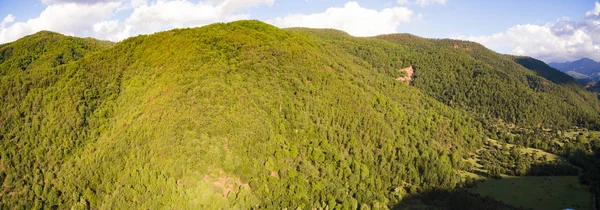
586, 70
247, 115
144, 124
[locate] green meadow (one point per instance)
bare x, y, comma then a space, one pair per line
538, 192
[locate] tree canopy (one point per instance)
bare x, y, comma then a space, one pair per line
245, 114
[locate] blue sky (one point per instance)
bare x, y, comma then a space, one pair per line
552, 30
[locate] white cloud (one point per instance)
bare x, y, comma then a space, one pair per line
8, 19
428, 2
541, 42
68, 18
559, 41
422, 3
79, 1
563, 26
595, 11
138, 3
95, 18
591, 22
165, 15
352, 18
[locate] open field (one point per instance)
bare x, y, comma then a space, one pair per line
537, 192
573, 134
478, 169
528, 150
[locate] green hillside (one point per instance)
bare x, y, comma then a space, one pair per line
542, 69
467, 76
245, 114
240, 114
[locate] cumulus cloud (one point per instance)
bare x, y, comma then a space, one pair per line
541, 42
352, 18
563, 26
559, 41
79, 1
595, 11
164, 15
69, 18
428, 2
96, 18
8, 19
591, 23
422, 2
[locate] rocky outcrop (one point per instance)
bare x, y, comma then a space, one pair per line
406, 74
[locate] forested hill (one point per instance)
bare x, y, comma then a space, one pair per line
542, 69
46, 49
245, 114
228, 115
468, 76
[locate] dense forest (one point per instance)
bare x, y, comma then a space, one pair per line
246, 115
467, 76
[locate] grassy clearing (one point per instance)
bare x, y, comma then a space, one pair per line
538, 153
574, 134
536, 192
475, 159
466, 174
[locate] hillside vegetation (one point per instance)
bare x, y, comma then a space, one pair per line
537, 192
245, 114
467, 76
240, 114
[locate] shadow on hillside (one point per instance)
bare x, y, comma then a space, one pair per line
480, 173
456, 199
552, 169
545, 71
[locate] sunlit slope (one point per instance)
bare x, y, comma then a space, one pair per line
228, 115
467, 76
521, 90
41, 113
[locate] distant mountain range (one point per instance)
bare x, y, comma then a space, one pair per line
584, 70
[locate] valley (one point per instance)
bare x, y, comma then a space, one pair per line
538, 192
586, 71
